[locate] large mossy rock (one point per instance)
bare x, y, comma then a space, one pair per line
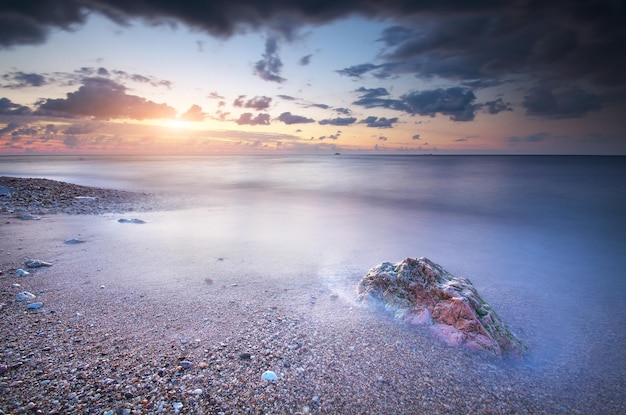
422, 292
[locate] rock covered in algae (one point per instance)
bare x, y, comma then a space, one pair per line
422, 292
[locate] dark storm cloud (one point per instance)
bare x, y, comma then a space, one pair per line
289, 118
551, 38
416, 137
9, 108
571, 102
104, 98
247, 119
194, 114
373, 98
29, 22
22, 80
270, 66
338, 121
381, 122
475, 42
496, 106
258, 103
456, 102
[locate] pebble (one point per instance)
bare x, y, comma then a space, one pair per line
34, 306
36, 263
28, 216
197, 391
186, 364
269, 375
177, 406
139, 221
24, 296
73, 241
22, 273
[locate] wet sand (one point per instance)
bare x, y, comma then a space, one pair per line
129, 329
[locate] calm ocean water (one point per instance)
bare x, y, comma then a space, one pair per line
543, 238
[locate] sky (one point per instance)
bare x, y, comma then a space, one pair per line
282, 76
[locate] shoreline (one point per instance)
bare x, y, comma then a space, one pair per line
46, 197
109, 340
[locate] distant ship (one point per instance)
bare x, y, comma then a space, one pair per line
337, 154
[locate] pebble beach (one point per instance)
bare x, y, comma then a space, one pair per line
106, 342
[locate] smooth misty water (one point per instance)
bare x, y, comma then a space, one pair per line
542, 238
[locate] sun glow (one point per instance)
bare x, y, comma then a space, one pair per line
175, 124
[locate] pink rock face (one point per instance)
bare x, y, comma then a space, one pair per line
422, 292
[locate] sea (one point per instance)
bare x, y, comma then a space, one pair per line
542, 238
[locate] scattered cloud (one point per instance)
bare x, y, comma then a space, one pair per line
248, 119
194, 114
258, 103
305, 60
10, 127
381, 122
71, 141
382, 138
357, 71
9, 108
270, 66
84, 128
322, 106
287, 97
23, 80
533, 138
103, 98
289, 118
338, 121
416, 137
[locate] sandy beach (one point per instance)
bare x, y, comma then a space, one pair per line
129, 329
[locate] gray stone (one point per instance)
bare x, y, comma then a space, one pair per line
73, 241
422, 292
138, 221
29, 216
24, 296
36, 263
22, 273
